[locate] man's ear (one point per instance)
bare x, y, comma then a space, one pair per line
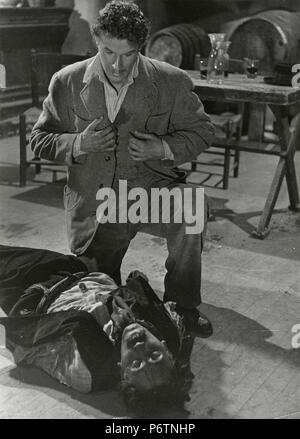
96, 40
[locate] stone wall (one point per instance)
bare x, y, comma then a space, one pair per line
79, 40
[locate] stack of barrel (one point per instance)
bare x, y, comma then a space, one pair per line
179, 44
270, 36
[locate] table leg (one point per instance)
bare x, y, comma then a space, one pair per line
285, 168
292, 183
263, 226
287, 143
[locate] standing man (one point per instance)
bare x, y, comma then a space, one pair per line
121, 116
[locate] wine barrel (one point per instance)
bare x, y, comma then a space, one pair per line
178, 44
270, 36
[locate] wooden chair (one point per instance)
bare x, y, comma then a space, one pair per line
43, 67
228, 126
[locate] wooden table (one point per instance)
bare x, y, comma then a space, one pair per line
238, 88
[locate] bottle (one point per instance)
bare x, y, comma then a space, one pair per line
216, 59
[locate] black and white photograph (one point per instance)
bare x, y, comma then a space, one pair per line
150, 212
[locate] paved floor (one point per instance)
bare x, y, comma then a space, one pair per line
251, 292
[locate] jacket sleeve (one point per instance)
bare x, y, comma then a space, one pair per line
52, 136
190, 129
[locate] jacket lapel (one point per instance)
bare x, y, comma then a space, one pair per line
93, 98
92, 94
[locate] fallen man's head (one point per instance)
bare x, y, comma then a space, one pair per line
148, 370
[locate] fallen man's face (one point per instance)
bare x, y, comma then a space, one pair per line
145, 360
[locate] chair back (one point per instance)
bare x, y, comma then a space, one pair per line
43, 67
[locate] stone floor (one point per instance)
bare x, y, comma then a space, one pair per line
251, 293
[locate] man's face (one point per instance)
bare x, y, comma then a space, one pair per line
118, 58
145, 360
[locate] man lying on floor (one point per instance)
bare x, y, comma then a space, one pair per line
87, 332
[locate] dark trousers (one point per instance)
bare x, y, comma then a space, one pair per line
183, 264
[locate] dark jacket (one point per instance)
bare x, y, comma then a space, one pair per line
160, 101
20, 267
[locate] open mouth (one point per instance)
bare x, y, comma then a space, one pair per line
138, 336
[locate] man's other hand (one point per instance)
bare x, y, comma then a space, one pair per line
97, 140
143, 147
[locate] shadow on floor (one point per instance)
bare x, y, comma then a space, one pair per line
234, 327
9, 175
241, 220
50, 194
284, 229
208, 398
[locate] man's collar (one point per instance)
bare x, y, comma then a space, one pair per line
95, 69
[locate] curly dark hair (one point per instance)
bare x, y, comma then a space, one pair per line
173, 393
123, 20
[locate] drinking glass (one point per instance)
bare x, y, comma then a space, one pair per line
203, 67
251, 67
